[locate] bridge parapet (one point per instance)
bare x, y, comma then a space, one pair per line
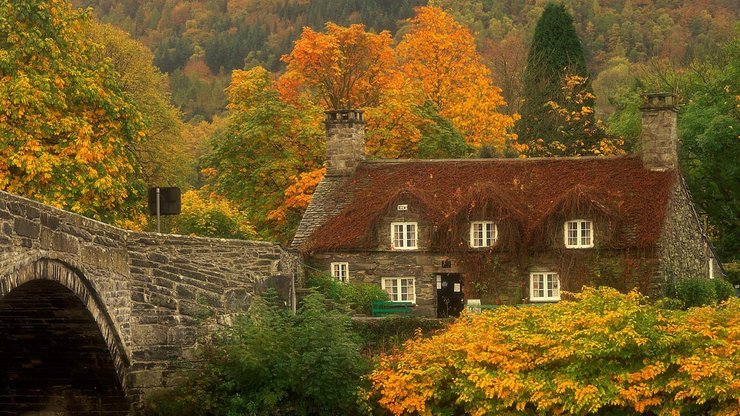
152, 292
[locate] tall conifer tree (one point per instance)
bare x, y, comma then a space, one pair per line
554, 55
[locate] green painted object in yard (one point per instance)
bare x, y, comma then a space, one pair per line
384, 308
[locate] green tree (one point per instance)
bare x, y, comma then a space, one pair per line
554, 56
265, 147
163, 157
709, 127
439, 137
66, 127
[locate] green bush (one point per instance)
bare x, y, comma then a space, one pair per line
381, 336
732, 272
696, 291
358, 296
724, 289
273, 362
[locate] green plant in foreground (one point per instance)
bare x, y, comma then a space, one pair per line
273, 362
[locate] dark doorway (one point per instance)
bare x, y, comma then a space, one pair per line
450, 299
54, 359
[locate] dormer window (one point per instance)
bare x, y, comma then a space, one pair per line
404, 235
579, 234
483, 234
340, 271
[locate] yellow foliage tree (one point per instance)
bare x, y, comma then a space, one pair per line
66, 128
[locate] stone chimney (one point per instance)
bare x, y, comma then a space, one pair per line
345, 141
659, 134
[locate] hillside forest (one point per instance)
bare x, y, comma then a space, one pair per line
225, 98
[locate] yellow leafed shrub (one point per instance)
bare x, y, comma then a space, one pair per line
603, 352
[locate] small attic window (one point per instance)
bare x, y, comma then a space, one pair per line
402, 207
404, 235
483, 234
579, 234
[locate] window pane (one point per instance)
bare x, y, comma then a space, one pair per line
398, 235
572, 233
411, 231
391, 288
586, 233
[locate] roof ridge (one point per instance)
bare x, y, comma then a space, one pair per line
501, 159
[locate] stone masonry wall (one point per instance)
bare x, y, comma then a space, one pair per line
345, 141
181, 284
684, 250
149, 294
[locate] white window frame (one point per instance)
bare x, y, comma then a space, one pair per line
405, 242
394, 290
485, 241
711, 268
340, 271
544, 294
582, 240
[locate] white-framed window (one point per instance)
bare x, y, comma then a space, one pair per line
544, 286
711, 268
483, 234
400, 289
340, 271
579, 234
404, 235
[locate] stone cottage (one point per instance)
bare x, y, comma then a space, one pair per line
440, 233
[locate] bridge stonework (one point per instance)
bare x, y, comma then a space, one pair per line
150, 295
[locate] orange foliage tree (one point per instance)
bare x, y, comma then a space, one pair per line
346, 67
604, 353
438, 56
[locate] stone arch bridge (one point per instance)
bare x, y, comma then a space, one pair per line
93, 318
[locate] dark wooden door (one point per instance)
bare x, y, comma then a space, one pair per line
450, 299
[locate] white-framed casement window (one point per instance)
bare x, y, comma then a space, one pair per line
483, 234
544, 286
400, 289
404, 235
340, 271
579, 234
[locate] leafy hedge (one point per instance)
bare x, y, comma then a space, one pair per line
358, 296
273, 362
605, 353
697, 291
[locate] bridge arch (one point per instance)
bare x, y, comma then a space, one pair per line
71, 278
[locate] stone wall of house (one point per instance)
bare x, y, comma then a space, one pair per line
684, 250
501, 278
371, 267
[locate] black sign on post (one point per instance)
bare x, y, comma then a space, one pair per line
164, 201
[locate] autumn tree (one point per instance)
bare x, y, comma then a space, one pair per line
66, 127
345, 67
602, 353
265, 149
554, 55
164, 158
438, 56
